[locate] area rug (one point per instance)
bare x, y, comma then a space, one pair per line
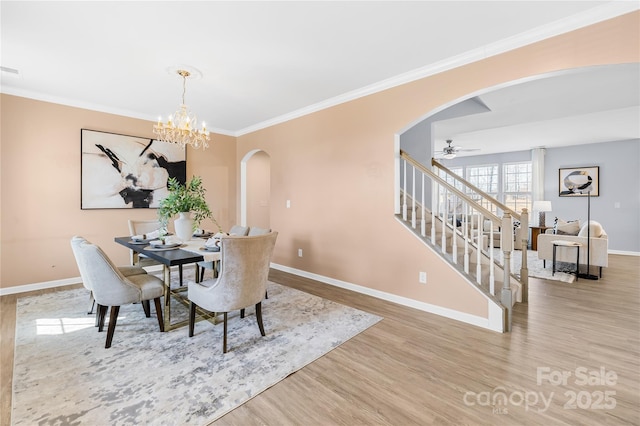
536, 268
64, 375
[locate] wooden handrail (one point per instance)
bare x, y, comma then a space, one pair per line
476, 189
486, 212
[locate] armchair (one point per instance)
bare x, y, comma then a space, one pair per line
598, 246
242, 281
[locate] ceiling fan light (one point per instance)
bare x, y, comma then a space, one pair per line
449, 155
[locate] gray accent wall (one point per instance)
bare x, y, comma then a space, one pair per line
618, 206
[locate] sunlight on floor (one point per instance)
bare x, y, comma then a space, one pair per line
53, 326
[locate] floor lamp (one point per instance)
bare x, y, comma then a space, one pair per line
587, 275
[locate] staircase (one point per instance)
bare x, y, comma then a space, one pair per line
459, 222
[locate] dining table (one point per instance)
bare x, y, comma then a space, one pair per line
187, 252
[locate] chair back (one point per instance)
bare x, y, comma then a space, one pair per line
254, 230
101, 276
238, 230
137, 227
245, 270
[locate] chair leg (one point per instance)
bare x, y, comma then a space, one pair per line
146, 307
112, 325
192, 318
259, 317
242, 313
159, 312
102, 313
224, 335
92, 303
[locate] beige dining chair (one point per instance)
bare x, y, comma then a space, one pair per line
242, 281
236, 230
110, 287
139, 227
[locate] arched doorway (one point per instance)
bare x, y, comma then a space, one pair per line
255, 189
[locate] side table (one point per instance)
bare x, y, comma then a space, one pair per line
535, 231
567, 244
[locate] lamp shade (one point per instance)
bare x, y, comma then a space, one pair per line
542, 206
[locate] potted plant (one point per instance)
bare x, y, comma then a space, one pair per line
185, 200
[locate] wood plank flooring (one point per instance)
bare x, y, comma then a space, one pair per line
414, 368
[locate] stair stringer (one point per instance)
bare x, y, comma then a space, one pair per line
497, 313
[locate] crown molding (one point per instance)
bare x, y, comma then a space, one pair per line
592, 16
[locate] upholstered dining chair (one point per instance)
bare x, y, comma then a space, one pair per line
242, 281
110, 287
125, 270
236, 230
140, 227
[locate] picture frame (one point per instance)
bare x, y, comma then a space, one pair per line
121, 172
579, 181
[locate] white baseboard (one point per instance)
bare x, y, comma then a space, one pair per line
39, 286
624, 253
426, 307
56, 283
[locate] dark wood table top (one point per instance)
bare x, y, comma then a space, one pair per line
166, 257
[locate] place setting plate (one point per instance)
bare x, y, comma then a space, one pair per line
162, 247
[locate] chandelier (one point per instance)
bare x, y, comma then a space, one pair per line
181, 127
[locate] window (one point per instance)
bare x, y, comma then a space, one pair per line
516, 188
450, 200
486, 179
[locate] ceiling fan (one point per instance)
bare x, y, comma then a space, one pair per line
449, 151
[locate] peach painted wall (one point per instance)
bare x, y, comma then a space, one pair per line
40, 159
337, 168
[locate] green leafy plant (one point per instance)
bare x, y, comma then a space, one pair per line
185, 198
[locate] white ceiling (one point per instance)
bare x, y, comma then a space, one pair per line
264, 62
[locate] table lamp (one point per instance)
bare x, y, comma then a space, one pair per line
541, 207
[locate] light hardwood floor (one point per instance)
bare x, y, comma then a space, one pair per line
417, 368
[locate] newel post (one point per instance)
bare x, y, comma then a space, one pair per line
524, 270
506, 243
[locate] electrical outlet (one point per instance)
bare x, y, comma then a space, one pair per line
288, 204
299, 252
423, 278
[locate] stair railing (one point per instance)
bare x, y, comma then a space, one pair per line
522, 218
461, 220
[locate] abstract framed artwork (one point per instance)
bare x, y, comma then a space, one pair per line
579, 182
123, 172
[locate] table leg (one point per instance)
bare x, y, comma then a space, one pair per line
578, 263
166, 272
553, 267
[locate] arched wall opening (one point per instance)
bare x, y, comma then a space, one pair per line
255, 189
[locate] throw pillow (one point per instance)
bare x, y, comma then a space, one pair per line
596, 230
571, 227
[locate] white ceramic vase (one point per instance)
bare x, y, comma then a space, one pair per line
184, 226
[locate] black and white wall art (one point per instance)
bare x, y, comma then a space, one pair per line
579, 182
120, 171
